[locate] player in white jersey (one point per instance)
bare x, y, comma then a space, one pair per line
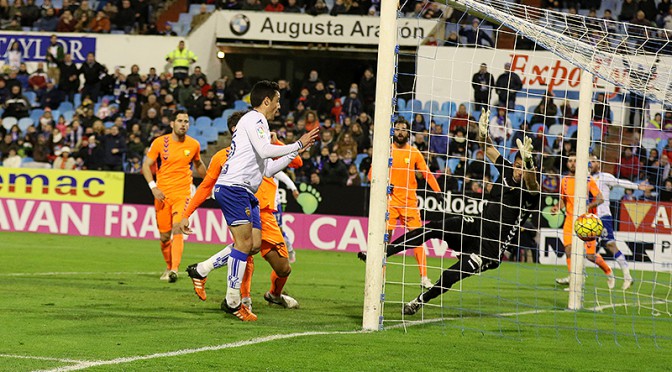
284, 178
249, 159
606, 182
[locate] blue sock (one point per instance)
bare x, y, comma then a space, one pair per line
618, 254
237, 264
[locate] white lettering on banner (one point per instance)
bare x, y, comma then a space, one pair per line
196, 227
43, 216
438, 246
353, 234
69, 215
314, 233
451, 204
128, 216
344, 29
661, 216
215, 223
4, 221
111, 218
149, 224
19, 220
76, 50
287, 221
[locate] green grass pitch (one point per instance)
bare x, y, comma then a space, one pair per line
95, 303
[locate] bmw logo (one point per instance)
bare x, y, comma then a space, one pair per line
240, 24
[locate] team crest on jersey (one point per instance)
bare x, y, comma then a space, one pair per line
407, 160
187, 152
260, 132
247, 212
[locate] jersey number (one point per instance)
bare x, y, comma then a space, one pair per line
229, 155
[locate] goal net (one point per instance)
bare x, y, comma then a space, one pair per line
593, 95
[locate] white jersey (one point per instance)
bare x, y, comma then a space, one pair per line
250, 148
606, 182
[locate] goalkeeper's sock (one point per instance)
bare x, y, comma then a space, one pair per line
217, 260
176, 250
599, 261
569, 264
421, 258
165, 250
277, 284
237, 264
247, 278
620, 259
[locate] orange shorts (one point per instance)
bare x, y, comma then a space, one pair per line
568, 232
170, 211
409, 217
271, 235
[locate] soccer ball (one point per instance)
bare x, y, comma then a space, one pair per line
588, 227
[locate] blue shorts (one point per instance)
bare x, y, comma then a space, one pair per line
608, 230
238, 205
278, 215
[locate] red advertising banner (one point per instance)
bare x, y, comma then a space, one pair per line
643, 216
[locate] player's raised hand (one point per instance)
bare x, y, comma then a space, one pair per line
274, 137
483, 123
295, 193
525, 148
182, 227
158, 194
309, 138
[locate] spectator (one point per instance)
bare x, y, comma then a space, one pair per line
239, 86
460, 120
52, 97
628, 10
354, 178
14, 55
211, 106
500, 127
198, 74
92, 71
475, 36
438, 142
82, 24
125, 18
16, 105
100, 24
194, 103
7, 144
507, 86
66, 22
181, 58
315, 179
362, 139
649, 8
38, 79
545, 112
352, 105
346, 145
340, 7
458, 144
201, 17
292, 7
42, 151
453, 39
420, 142
115, 147
567, 115
477, 168
334, 171
63, 159
69, 77
666, 192
12, 160
482, 83
31, 13
275, 6
47, 23
367, 90
418, 124
628, 166
601, 110
253, 5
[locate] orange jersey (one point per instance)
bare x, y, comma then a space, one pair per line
567, 192
265, 194
405, 162
174, 162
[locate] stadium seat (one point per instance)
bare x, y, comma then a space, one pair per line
68, 115
55, 114
109, 124
185, 18
359, 159
535, 128
210, 134
661, 145
452, 164
221, 125
571, 130
401, 104
595, 133
27, 159
194, 132
432, 107
227, 113
649, 143
203, 122
416, 106
77, 101
66, 106
25, 123
551, 139
9, 122
240, 105
556, 130
442, 163
32, 98
36, 114
448, 108
202, 142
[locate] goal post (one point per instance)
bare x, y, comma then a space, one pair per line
373, 290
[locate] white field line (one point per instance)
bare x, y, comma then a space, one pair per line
79, 365
62, 360
65, 273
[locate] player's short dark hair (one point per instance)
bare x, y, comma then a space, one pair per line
233, 120
571, 153
178, 112
262, 90
402, 120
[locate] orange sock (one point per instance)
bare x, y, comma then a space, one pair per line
599, 261
165, 250
569, 264
247, 278
421, 257
176, 251
277, 284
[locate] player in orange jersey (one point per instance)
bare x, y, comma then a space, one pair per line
567, 202
173, 153
272, 247
403, 201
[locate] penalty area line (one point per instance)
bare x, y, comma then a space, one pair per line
66, 273
62, 360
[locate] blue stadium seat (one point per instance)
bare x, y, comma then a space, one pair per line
240, 105
68, 115
359, 159
227, 113
535, 128
551, 140
25, 123
27, 159
55, 114
203, 122
432, 107
416, 106
595, 133
401, 104
210, 134
9, 122
109, 124
32, 98
452, 163
202, 142
221, 125
448, 108
571, 130
194, 132
185, 18
35, 114
66, 106
77, 101
442, 163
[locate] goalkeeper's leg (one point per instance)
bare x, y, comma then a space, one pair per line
448, 230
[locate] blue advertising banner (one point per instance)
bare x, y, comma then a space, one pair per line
35, 47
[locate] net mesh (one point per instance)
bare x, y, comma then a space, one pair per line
455, 72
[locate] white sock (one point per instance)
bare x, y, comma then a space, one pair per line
217, 260
620, 259
237, 265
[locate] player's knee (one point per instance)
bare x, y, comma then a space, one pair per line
165, 237
284, 271
591, 257
490, 265
255, 249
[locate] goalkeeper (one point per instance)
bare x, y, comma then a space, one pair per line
480, 241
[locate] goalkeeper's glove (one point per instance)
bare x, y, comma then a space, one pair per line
483, 124
525, 149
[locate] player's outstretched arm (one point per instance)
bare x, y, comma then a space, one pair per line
529, 176
490, 150
203, 191
274, 166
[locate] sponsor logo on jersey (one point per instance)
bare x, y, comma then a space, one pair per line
187, 153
